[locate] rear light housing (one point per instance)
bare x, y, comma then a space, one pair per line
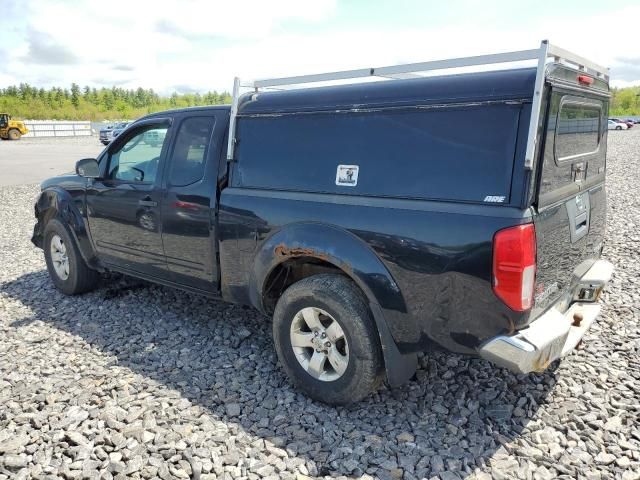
585, 80
514, 266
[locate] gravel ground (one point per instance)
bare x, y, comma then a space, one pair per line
143, 381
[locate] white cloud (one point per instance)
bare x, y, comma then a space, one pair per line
204, 44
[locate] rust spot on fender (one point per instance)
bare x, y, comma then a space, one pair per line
281, 250
284, 251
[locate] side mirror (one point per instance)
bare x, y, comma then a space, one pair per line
88, 167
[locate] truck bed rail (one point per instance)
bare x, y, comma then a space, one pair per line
542, 54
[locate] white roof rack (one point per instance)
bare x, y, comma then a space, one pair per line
541, 54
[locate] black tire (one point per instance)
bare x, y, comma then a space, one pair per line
339, 297
618, 128
14, 134
81, 278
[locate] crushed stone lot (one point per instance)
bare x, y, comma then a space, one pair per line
141, 381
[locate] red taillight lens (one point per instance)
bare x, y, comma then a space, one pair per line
585, 80
514, 266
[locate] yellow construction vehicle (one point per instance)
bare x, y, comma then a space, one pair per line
11, 129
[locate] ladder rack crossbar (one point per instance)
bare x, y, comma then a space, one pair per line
562, 55
410, 70
401, 69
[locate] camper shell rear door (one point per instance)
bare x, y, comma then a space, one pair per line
570, 196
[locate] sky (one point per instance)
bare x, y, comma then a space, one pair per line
200, 45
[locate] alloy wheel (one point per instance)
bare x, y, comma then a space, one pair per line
319, 344
59, 257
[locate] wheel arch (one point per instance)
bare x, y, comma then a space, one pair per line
55, 202
303, 249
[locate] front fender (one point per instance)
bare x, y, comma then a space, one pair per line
358, 261
55, 202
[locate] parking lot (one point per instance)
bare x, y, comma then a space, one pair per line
31, 160
143, 381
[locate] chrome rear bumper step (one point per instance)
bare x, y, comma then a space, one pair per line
552, 335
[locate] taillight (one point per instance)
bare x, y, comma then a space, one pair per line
514, 266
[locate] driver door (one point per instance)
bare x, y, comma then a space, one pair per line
123, 205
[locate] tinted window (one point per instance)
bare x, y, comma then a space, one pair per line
455, 153
190, 151
557, 180
577, 130
137, 160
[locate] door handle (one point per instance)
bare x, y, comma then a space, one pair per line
581, 221
147, 202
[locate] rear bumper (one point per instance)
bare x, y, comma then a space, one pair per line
553, 334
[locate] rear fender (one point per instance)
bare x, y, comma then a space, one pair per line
355, 259
57, 203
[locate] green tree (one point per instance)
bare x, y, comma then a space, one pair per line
75, 95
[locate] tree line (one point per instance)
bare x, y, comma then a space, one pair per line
76, 103
625, 101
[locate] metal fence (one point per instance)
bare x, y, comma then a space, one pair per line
58, 128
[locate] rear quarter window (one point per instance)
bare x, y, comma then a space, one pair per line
461, 153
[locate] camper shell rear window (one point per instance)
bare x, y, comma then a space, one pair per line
578, 129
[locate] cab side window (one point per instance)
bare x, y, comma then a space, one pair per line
190, 150
137, 159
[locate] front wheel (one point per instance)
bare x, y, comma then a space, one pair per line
67, 269
327, 341
14, 134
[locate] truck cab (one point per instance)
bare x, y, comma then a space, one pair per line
357, 218
149, 212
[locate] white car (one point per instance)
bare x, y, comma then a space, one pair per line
612, 125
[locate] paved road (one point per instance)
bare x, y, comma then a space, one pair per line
31, 160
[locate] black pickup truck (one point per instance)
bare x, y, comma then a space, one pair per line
372, 221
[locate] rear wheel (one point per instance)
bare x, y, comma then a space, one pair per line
14, 134
326, 339
618, 127
67, 269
